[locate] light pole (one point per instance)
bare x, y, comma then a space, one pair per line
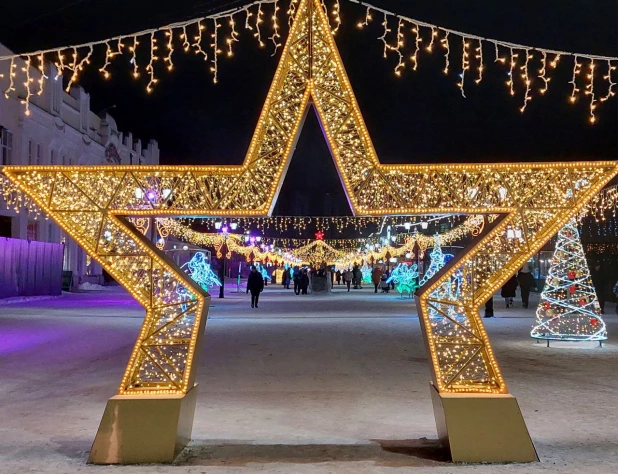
222, 268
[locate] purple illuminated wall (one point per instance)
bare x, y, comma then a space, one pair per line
30, 268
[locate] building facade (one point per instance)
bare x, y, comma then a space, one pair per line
60, 129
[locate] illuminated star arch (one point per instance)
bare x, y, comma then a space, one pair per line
92, 204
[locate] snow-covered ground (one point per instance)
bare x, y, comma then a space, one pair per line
334, 384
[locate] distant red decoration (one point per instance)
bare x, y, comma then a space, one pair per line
571, 275
582, 302
546, 305
594, 321
572, 289
319, 235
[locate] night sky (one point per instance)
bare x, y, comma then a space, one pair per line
418, 118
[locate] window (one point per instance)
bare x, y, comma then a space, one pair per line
33, 230
64, 160
6, 147
52, 157
39, 154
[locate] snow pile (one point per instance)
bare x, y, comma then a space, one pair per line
93, 287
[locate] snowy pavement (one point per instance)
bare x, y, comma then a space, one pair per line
304, 384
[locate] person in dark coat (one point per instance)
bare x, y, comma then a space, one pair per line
338, 277
509, 291
304, 282
598, 281
526, 283
286, 279
358, 278
255, 285
489, 308
297, 278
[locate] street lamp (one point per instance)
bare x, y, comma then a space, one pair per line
224, 231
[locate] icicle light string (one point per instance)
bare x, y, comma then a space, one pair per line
516, 51
81, 55
606, 64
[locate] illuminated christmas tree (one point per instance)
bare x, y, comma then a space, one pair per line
568, 309
366, 271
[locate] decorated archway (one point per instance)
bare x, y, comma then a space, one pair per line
150, 419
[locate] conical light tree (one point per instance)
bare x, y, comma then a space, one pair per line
569, 309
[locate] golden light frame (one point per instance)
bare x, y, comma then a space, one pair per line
92, 205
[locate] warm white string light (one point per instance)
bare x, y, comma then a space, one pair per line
386, 31
543, 73
590, 91
447, 47
275, 36
77, 67
258, 22
215, 51
150, 68
515, 49
26, 69
527, 81
197, 45
133, 50
42, 72
611, 83
512, 64
576, 70
479, 58
232, 38
336, 14
170, 50
417, 45
465, 65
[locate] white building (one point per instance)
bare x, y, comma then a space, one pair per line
59, 130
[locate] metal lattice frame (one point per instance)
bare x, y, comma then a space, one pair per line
91, 203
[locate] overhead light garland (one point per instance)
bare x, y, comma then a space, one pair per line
74, 59
521, 59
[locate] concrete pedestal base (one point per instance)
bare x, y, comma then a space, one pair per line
144, 429
482, 427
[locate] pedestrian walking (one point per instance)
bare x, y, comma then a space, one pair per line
255, 285
304, 282
489, 308
509, 290
526, 283
598, 281
347, 278
338, 277
376, 277
358, 278
286, 279
297, 278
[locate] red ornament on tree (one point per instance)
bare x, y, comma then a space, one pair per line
546, 305
319, 235
582, 302
571, 275
572, 289
594, 321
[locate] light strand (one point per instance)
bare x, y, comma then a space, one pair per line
465, 65
590, 92
215, 52
150, 68
336, 14
275, 36
611, 83
526, 78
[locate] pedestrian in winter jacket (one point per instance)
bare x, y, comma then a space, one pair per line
255, 285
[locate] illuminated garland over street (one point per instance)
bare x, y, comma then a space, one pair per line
202, 36
569, 309
316, 252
